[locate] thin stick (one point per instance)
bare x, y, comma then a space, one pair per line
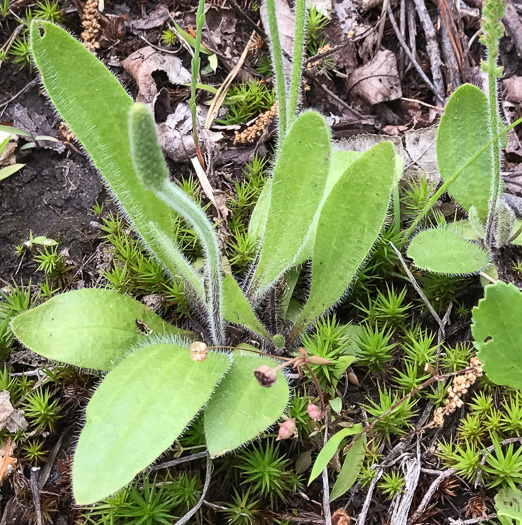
418, 289
193, 511
179, 461
319, 391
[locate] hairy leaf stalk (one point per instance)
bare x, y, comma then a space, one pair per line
151, 169
277, 59
297, 64
195, 66
493, 11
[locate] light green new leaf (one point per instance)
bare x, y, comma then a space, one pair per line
236, 308
91, 328
241, 408
350, 222
257, 224
10, 170
340, 162
442, 250
95, 106
137, 412
463, 130
330, 448
350, 470
297, 188
497, 337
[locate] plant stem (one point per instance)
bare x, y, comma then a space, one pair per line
181, 203
434, 198
297, 64
277, 59
195, 66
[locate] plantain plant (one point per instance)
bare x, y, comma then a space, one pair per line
320, 205
469, 141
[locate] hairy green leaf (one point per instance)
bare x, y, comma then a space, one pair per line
463, 130
297, 188
330, 448
442, 250
137, 412
497, 337
91, 328
257, 224
95, 106
350, 470
236, 308
350, 222
241, 408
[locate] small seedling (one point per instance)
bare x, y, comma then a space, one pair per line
40, 410
391, 484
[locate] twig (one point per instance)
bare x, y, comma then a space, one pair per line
326, 486
418, 289
193, 510
178, 461
404, 46
472, 521
402, 504
23, 90
239, 12
319, 391
219, 97
35, 491
432, 48
429, 494
361, 518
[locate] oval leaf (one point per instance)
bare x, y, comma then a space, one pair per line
297, 188
497, 337
91, 328
330, 448
463, 130
441, 250
136, 413
350, 222
241, 408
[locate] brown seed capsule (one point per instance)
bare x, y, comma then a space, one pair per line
265, 375
198, 351
316, 360
286, 429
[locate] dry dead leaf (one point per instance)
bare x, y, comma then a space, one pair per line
155, 18
142, 63
7, 157
340, 517
6, 408
7, 461
416, 147
17, 421
377, 81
